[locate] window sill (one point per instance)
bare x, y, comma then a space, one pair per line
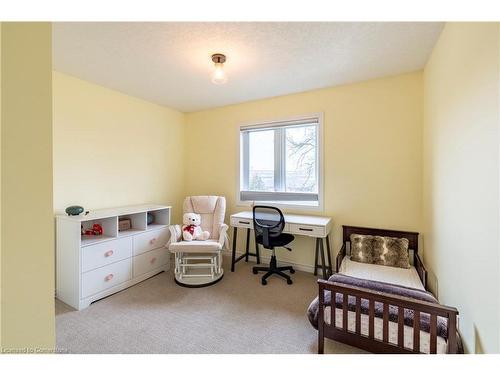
299, 206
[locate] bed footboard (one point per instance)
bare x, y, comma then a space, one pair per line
369, 342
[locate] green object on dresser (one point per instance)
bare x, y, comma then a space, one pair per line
74, 210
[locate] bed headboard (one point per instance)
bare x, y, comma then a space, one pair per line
411, 236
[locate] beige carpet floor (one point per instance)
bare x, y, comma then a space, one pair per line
237, 315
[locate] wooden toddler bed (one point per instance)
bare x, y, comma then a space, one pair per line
383, 309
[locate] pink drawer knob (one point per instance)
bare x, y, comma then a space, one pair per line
109, 277
153, 240
153, 260
108, 253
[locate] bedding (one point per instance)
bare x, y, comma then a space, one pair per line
401, 276
383, 251
391, 251
362, 248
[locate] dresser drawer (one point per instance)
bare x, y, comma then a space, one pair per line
150, 240
149, 261
99, 255
307, 230
100, 279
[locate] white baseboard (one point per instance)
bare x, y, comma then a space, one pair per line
266, 259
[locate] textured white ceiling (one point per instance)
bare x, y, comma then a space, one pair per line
169, 63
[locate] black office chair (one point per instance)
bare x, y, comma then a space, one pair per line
268, 223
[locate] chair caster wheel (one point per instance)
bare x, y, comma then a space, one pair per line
264, 282
255, 272
289, 282
292, 271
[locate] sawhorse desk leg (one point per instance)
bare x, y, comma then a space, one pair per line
233, 254
320, 252
247, 253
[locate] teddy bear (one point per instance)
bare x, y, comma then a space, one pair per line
191, 229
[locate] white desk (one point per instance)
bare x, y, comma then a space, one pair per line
318, 227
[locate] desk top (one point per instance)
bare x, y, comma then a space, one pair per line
291, 219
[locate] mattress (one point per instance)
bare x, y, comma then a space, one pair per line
401, 276
441, 347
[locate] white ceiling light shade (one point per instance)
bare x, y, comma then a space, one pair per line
218, 76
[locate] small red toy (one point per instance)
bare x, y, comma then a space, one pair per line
95, 231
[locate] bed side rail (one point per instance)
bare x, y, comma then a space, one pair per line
418, 307
340, 257
422, 272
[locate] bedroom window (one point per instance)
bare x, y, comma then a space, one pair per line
280, 162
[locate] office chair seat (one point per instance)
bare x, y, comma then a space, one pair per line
282, 240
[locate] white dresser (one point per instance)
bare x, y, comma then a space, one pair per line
92, 267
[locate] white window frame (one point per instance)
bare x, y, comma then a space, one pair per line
270, 123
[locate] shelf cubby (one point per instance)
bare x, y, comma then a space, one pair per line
138, 224
109, 227
161, 218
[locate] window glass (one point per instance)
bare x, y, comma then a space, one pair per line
261, 160
301, 159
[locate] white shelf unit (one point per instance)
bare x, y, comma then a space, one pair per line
90, 267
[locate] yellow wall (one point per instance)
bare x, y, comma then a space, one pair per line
0, 186
461, 177
372, 153
111, 149
27, 241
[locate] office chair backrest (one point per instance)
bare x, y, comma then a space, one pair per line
268, 218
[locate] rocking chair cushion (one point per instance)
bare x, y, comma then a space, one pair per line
208, 246
211, 209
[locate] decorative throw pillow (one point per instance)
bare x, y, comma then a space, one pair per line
361, 248
391, 251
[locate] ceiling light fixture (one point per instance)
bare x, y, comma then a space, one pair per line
218, 76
